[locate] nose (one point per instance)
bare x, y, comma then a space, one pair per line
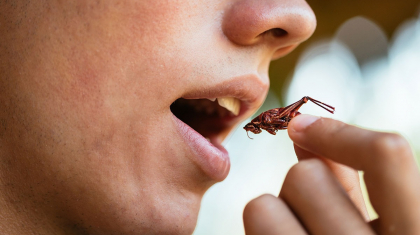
280, 24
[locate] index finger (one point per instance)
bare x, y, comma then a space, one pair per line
391, 174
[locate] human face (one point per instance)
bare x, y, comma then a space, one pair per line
90, 122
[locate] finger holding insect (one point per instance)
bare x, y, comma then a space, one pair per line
391, 174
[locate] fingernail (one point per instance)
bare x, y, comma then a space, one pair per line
301, 122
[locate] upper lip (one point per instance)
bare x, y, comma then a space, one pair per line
250, 89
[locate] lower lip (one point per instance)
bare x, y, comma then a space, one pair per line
213, 159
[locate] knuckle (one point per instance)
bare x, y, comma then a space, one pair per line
391, 146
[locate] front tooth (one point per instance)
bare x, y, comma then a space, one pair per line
212, 99
231, 104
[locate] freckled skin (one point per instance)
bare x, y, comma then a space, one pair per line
88, 144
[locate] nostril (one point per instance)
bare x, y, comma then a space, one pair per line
278, 32
249, 22
275, 33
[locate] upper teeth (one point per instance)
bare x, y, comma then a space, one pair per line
231, 104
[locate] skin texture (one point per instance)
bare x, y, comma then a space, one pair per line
88, 144
321, 197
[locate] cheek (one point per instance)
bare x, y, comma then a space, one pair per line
97, 156
94, 127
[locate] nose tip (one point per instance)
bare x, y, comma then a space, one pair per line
279, 23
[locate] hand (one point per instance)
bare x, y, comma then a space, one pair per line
321, 194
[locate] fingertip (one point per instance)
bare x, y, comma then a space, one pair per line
259, 204
258, 212
299, 123
270, 215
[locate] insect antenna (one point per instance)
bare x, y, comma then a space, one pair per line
327, 107
248, 135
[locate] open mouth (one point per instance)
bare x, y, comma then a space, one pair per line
201, 119
207, 113
209, 117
